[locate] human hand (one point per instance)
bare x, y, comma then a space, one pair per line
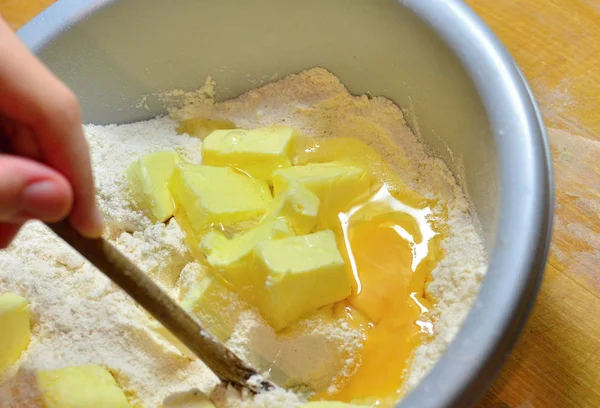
45, 170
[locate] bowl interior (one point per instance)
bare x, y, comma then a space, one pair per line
134, 48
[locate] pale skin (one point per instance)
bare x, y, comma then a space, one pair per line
45, 170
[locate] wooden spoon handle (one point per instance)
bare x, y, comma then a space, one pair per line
226, 365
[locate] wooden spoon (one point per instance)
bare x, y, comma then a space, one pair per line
224, 363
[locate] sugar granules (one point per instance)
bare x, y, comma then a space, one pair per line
80, 317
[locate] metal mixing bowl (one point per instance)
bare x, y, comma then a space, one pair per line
459, 87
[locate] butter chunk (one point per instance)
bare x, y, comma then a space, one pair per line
304, 273
257, 152
15, 332
215, 305
298, 205
208, 196
337, 186
88, 386
234, 259
148, 180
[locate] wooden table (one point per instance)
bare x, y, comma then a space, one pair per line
556, 363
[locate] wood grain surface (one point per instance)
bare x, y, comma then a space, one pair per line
556, 363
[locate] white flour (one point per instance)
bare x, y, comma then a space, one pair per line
80, 317
113, 148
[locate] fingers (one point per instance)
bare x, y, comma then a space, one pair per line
8, 232
19, 139
63, 146
29, 190
32, 96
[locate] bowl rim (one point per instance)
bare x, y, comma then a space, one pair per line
517, 262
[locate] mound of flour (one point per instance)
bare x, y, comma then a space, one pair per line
80, 317
319, 105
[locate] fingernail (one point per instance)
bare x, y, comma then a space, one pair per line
44, 200
97, 223
90, 224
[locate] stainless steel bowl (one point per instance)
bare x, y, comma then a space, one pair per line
459, 87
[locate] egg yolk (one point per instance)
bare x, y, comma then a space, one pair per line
391, 244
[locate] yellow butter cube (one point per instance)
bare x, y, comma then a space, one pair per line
88, 386
257, 152
215, 305
207, 196
148, 180
15, 333
337, 186
303, 274
191, 273
234, 259
298, 205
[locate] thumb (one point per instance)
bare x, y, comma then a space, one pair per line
29, 189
